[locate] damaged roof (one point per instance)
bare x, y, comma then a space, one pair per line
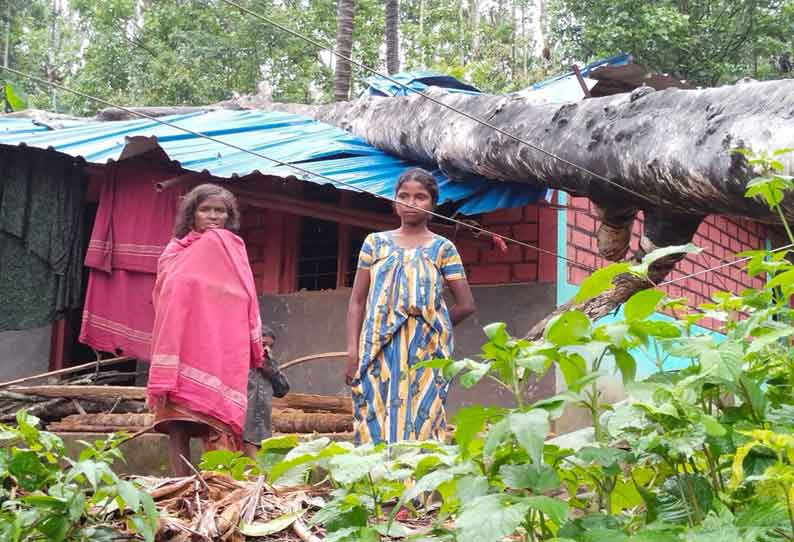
320, 148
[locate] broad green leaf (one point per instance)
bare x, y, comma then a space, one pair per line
349, 468
129, 494
605, 457
354, 534
15, 98
712, 427
497, 434
573, 369
681, 499
393, 529
524, 476
530, 429
567, 328
475, 373
600, 281
30, 472
655, 328
273, 526
471, 487
489, 518
470, 420
625, 363
554, 509
497, 333
642, 304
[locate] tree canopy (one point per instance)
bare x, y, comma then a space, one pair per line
189, 52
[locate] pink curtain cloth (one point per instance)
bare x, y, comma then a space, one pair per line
207, 330
132, 227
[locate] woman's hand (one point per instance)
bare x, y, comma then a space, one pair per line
351, 368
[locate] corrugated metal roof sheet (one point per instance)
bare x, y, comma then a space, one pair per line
319, 148
418, 81
566, 87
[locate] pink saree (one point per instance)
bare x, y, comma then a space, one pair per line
207, 330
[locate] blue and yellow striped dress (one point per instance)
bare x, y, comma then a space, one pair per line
406, 321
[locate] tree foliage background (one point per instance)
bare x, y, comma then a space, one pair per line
147, 52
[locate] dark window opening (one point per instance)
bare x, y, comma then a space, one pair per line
357, 236
317, 258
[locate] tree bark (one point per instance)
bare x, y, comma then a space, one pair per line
344, 46
393, 36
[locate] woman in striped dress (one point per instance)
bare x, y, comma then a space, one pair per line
397, 317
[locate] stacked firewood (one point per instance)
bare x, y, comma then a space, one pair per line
101, 409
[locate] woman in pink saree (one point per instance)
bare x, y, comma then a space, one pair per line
207, 330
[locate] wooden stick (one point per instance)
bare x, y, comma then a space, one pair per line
311, 357
67, 370
303, 532
84, 392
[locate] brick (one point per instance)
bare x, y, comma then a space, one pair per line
586, 222
744, 237
504, 216
469, 251
489, 274
525, 272
580, 239
514, 254
578, 275
531, 213
526, 232
735, 245
531, 255
585, 258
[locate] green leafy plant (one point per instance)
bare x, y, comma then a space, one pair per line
45, 495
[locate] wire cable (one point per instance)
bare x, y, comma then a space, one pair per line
304, 171
505, 133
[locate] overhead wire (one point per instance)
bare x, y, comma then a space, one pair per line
441, 103
310, 174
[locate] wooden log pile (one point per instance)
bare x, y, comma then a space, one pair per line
104, 409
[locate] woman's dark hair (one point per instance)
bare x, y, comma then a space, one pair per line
423, 177
186, 216
267, 331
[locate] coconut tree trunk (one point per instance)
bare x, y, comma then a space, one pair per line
393, 36
344, 46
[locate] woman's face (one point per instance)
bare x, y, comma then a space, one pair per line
415, 194
211, 213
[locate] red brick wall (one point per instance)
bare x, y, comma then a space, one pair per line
719, 237
492, 266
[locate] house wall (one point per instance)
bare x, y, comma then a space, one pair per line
24, 353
